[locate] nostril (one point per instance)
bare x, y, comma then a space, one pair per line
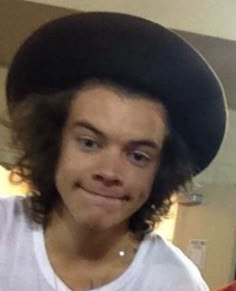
98, 177
107, 179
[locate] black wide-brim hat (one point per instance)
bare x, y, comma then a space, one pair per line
128, 49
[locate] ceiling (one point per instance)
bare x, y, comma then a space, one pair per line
19, 18
208, 17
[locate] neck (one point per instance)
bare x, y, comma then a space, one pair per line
75, 242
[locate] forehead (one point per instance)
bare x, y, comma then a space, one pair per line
119, 113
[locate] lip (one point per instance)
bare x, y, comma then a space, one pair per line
106, 195
102, 200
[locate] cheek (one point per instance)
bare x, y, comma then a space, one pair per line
142, 185
61, 179
69, 158
67, 169
73, 167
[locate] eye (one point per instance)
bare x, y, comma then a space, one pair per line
139, 158
88, 144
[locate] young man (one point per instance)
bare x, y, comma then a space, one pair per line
113, 113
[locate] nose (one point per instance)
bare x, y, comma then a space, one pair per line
107, 178
108, 170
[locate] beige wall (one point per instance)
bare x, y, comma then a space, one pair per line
215, 222
3, 131
6, 155
3, 73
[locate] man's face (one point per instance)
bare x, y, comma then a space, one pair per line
110, 152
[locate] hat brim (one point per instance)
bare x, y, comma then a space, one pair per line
65, 52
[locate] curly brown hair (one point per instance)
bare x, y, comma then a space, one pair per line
37, 125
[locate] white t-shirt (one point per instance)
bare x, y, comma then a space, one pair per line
24, 264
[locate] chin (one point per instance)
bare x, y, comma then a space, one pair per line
98, 227
98, 222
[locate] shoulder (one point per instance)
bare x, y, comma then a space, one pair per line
167, 253
13, 212
174, 265
10, 206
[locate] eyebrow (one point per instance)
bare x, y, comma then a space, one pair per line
90, 127
144, 142
132, 143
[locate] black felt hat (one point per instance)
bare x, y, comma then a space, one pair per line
123, 48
